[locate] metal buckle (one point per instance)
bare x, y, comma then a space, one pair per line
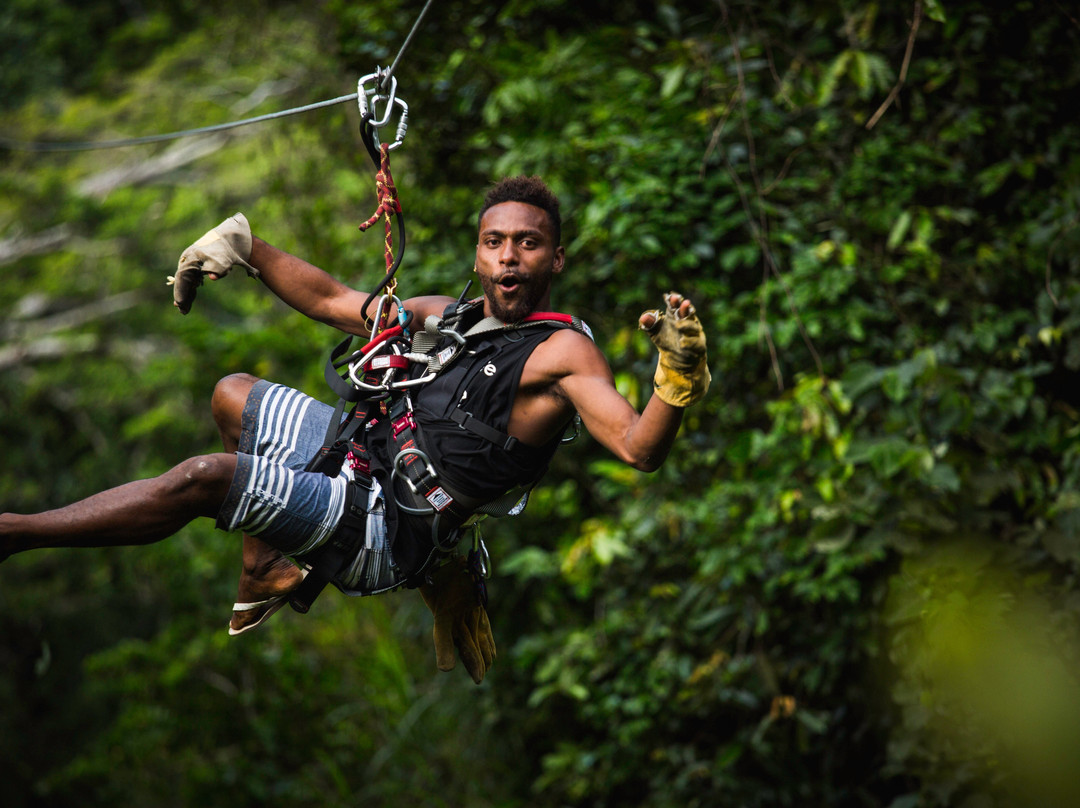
399, 470
406, 421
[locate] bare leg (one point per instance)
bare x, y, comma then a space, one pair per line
265, 572
140, 512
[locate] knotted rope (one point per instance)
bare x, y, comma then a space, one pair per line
386, 192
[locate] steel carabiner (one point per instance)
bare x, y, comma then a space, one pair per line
369, 99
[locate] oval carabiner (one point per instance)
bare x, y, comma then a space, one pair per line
377, 97
479, 558
406, 383
403, 124
384, 302
362, 91
576, 424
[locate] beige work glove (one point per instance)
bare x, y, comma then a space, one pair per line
212, 256
682, 374
460, 620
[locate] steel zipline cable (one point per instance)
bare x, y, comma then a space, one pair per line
45, 146
405, 44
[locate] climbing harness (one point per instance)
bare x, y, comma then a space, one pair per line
380, 434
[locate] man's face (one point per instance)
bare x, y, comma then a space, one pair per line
515, 259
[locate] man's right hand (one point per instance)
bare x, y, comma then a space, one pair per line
212, 256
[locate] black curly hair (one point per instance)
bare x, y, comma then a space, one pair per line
531, 191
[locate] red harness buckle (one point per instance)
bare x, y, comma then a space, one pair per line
387, 361
406, 421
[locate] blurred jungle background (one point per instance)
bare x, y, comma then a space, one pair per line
854, 583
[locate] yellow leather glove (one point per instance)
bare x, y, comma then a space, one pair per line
212, 256
682, 373
461, 620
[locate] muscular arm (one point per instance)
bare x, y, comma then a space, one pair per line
574, 372
319, 295
584, 379
308, 289
641, 440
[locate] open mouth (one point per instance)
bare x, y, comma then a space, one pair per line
509, 283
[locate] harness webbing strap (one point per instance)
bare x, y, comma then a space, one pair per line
495, 324
329, 559
468, 422
435, 329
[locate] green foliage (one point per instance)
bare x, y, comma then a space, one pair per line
986, 660
852, 583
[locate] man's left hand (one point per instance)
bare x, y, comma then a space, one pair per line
682, 372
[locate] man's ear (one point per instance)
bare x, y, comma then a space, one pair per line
560, 259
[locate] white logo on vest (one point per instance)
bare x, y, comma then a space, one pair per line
489, 369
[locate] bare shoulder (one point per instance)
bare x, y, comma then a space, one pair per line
567, 353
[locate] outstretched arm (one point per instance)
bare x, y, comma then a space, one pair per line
323, 297
308, 289
302, 285
641, 440
644, 439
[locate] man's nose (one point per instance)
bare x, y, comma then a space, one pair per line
508, 253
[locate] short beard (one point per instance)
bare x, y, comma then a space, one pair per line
519, 309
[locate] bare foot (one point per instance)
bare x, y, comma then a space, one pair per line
263, 589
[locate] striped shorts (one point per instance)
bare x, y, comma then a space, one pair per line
297, 511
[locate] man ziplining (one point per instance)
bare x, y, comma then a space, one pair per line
390, 514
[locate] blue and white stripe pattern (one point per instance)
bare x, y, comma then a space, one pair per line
296, 511
373, 570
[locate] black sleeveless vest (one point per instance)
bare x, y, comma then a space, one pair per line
482, 383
